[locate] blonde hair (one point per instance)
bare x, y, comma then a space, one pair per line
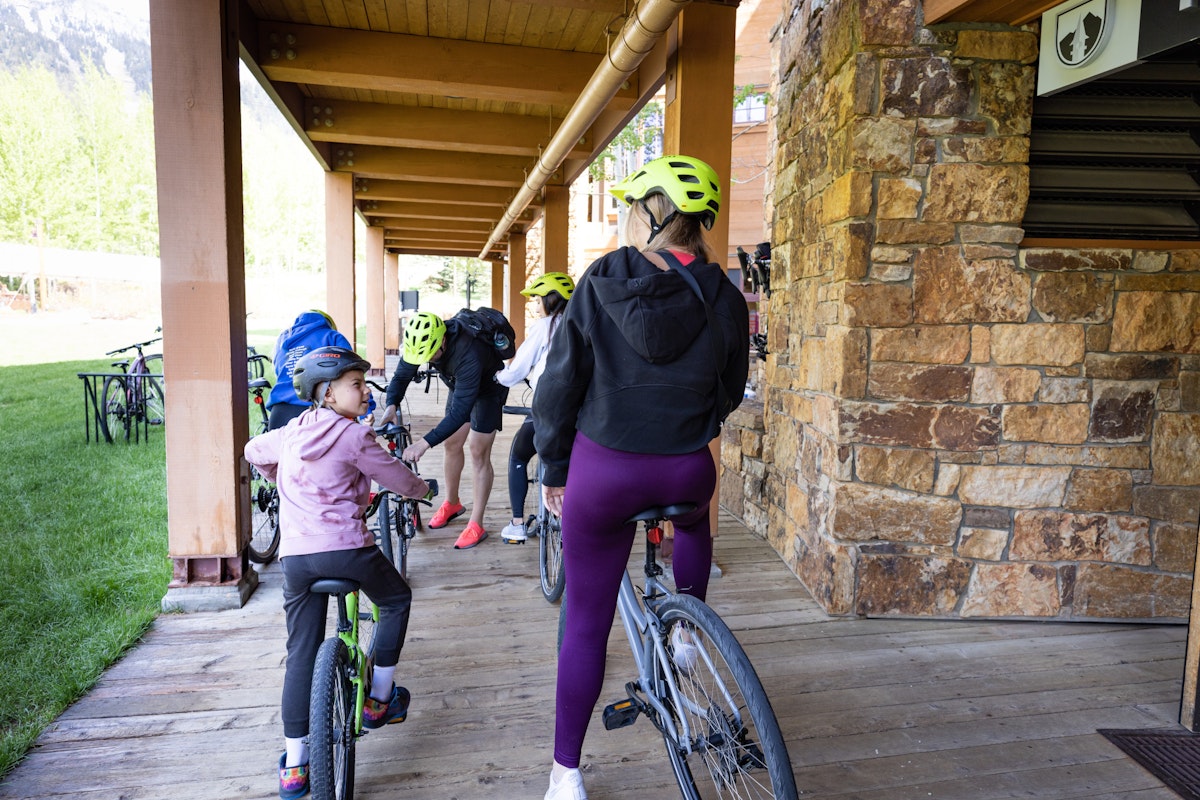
684, 232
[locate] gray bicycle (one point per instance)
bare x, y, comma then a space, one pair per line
698, 687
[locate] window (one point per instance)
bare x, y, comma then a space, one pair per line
752, 109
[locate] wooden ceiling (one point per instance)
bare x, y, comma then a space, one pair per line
440, 108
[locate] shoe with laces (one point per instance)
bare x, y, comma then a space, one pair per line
513, 533
569, 787
684, 653
471, 536
377, 713
446, 513
293, 781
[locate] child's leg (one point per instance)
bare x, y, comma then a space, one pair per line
383, 584
305, 613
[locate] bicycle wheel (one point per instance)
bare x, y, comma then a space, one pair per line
737, 749
550, 557
331, 724
264, 519
155, 401
154, 365
406, 523
115, 407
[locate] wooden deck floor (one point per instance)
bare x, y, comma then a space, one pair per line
871, 709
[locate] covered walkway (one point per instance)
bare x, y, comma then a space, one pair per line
872, 709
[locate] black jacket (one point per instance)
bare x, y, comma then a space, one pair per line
467, 366
631, 366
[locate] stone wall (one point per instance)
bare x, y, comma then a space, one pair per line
954, 424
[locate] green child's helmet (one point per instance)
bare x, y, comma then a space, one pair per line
423, 335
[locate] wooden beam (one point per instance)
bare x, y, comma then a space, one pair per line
458, 252
435, 211
406, 225
396, 163
374, 190
348, 122
434, 236
394, 62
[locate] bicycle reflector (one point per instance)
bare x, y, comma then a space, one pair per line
655, 535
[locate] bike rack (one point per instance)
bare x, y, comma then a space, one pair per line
93, 414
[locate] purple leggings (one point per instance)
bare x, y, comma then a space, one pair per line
604, 488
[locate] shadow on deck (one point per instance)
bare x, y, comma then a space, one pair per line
871, 709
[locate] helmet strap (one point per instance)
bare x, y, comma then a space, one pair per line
656, 227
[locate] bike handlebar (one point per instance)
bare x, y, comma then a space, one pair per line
139, 346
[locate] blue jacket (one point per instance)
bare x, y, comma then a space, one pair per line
309, 331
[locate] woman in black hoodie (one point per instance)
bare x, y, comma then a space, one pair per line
636, 385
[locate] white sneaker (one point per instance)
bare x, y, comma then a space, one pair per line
513, 534
569, 787
684, 653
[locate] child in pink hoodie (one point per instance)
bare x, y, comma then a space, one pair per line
323, 463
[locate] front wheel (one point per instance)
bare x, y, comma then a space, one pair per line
331, 724
115, 409
264, 519
550, 556
733, 746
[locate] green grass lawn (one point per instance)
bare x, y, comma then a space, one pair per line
84, 558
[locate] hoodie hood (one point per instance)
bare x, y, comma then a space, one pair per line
305, 324
658, 314
318, 430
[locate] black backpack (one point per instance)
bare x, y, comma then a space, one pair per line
491, 326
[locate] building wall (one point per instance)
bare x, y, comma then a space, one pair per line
954, 424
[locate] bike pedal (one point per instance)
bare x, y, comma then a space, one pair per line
513, 541
620, 715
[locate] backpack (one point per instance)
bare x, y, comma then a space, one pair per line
491, 326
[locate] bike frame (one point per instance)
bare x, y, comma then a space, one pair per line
348, 606
644, 630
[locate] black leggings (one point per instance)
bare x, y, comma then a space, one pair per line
518, 465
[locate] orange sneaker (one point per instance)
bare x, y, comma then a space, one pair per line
471, 536
446, 513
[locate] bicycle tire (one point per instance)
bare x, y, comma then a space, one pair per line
154, 401
408, 530
115, 409
720, 689
264, 519
550, 556
387, 541
331, 713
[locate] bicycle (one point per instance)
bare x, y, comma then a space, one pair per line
264, 495
136, 396
547, 527
398, 526
698, 687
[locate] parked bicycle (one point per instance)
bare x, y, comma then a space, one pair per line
136, 396
399, 518
547, 527
698, 687
264, 496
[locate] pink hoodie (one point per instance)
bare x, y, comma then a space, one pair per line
323, 464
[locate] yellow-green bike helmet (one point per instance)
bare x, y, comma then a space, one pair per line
543, 285
690, 184
423, 335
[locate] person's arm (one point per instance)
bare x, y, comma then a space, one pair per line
401, 378
263, 452
387, 470
562, 387
470, 370
737, 364
527, 355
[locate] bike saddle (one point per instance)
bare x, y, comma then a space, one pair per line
334, 586
662, 512
260, 383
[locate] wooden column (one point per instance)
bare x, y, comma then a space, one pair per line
391, 303
698, 120
516, 282
375, 297
1189, 712
197, 138
556, 221
339, 252
498, 287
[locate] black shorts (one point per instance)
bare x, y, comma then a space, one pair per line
487, 415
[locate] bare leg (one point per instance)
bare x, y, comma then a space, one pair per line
453, 461
480, 445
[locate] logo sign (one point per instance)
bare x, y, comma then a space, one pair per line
1081, 30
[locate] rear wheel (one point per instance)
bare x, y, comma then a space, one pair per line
736, 747
114, 409
331, 724
264, 519
550, 556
